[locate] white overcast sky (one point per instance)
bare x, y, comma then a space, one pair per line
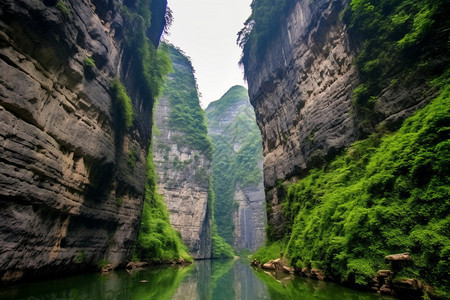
206, 30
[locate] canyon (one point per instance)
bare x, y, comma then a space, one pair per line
237, 170
335, 158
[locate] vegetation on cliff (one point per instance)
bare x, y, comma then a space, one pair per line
158, 241
186, 115
232, 166
153, 65
219, 247
401, 43
387, 194
261, 27
123, 101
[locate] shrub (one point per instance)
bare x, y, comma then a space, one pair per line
384, 195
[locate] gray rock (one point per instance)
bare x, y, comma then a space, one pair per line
63, 164
301, 90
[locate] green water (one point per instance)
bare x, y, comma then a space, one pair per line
209, 279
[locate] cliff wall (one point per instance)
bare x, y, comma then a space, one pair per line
183, 167
301, 86
322, 75
237, 170
69, 196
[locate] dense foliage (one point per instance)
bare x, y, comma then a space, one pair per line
123, 101
387, 194
270, 251
219, 247
186, 115
152, 65
158, 241
402, 42
232, 166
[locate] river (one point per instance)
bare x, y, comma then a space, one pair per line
208, 279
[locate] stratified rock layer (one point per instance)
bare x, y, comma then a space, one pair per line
183, 175
68, 196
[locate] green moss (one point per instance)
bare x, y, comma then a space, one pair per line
386, 194
63, 8
231, 166
89, 63
186, 115
132, 158
103, 262
123, 101
80, 257
157, 241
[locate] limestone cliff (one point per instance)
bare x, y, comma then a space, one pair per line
71, 176
182, 157
301, 85
239, 206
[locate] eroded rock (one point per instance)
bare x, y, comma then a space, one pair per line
68, 195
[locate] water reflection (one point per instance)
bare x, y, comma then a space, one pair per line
204, 280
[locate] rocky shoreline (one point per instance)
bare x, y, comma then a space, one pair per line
384, 282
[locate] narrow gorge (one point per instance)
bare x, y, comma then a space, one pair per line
333, 165
239, 206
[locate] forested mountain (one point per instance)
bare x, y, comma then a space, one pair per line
237, 170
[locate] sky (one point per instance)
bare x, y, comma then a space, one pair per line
206, 30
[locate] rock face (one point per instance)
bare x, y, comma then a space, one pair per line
302, 94
182, 169
237, 170
68, 196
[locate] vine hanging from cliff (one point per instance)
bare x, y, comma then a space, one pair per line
152, 64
